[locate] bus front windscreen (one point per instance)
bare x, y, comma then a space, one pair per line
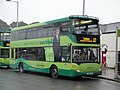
85, 54
88, 27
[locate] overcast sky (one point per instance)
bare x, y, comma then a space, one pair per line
108, 11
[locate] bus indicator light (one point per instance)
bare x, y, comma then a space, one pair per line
73, 66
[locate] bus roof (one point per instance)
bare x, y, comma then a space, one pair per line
40, 24
55, 21
83, 17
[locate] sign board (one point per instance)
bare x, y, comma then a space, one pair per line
91, 39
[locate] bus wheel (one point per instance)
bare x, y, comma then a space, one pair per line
21, 70
54, 71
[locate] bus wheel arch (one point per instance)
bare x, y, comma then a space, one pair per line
54, 71
21, 67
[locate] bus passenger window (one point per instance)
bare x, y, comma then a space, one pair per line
21, 53
5, 53
40, 54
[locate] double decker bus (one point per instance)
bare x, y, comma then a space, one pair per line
4, 48
68, 46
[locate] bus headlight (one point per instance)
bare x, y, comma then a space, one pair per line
78, 70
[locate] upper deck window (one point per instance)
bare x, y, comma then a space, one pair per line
86, 26
65, 28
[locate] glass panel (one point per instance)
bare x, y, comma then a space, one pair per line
22, 34
21, 53
89, 27
85, 54
65, 54
42, 55
31, 53
5, 36
5, 53
65, 27
14, 35
45, 32
12, 53
32, 33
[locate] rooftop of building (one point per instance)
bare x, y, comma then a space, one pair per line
109, 28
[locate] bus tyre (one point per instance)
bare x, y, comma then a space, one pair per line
21, 70
54, 71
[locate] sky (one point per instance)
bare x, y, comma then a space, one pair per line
45, 10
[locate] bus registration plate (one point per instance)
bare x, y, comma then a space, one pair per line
90, 73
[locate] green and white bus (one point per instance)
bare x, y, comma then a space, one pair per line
4, 48
68, 46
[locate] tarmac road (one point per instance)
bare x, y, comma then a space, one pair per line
10, 79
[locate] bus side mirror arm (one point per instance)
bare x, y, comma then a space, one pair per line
69, 46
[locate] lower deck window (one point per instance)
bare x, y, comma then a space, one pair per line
85, 54
31, 53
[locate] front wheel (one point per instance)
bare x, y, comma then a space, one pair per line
21, 70
54, 72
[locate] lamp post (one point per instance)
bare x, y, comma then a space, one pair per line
116, 54
83, 7
17, 9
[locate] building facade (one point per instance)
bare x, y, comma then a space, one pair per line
108, 37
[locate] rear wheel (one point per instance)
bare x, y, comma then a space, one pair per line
21, 69
54, 71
